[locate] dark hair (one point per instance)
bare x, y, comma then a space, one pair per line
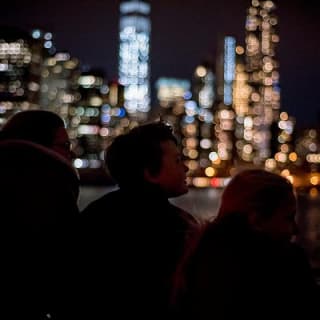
38, 126
257, 190
130, 154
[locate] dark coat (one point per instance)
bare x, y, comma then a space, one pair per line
38, 196
237, 273
135, 239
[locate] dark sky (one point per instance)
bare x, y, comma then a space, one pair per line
184, 32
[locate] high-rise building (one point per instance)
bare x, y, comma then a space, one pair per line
59, 87
87, 119
114, 118
282, 145
200, 144
169, 90
134, 50
172, 94
203, 86
21, 57
308, 150
97, 118
224, 115
243, 125
263, 77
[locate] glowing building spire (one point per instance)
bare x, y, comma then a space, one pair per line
134, 67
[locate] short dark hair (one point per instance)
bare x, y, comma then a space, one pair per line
130, 154
38, 126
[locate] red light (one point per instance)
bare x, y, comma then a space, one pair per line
215, 183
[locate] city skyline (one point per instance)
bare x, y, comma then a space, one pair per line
182, 37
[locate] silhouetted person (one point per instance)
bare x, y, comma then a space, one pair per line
41, 127
38, 194
135, 235
245, 265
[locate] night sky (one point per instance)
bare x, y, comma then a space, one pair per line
184, 33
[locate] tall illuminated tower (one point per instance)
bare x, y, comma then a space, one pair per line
263, 76
223, 148
134, 67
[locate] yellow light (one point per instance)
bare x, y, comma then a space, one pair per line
284, 148
313, 158
314, 180
239, 50
201, 71
201, 182
285, 172
268, 4
210, 172
281, 157
193, 154
192, 165
191, 129
247, 149
255, 3
284, 116
290, 178
191, 142
270, 164
313, 192
312, 133
255, 97
293, 156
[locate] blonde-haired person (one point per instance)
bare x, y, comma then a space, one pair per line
245, 265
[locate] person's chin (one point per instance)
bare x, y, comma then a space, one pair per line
177, 193
184, 189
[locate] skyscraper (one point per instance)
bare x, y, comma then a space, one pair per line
263, 76
134, 67
21, 57
87, 119
224, 115
59, 87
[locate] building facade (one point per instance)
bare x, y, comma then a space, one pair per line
263, 77
134, 50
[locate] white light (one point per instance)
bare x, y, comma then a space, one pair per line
86, 80
62, 56
134, 6
36, 34
80, 163
134, 56
205, 143
48, 44
213, 156
3, 66
48, 36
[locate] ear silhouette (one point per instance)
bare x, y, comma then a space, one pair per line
256, 220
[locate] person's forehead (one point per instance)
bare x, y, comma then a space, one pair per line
169, 147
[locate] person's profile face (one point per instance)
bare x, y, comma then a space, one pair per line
172, 175
61, 144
